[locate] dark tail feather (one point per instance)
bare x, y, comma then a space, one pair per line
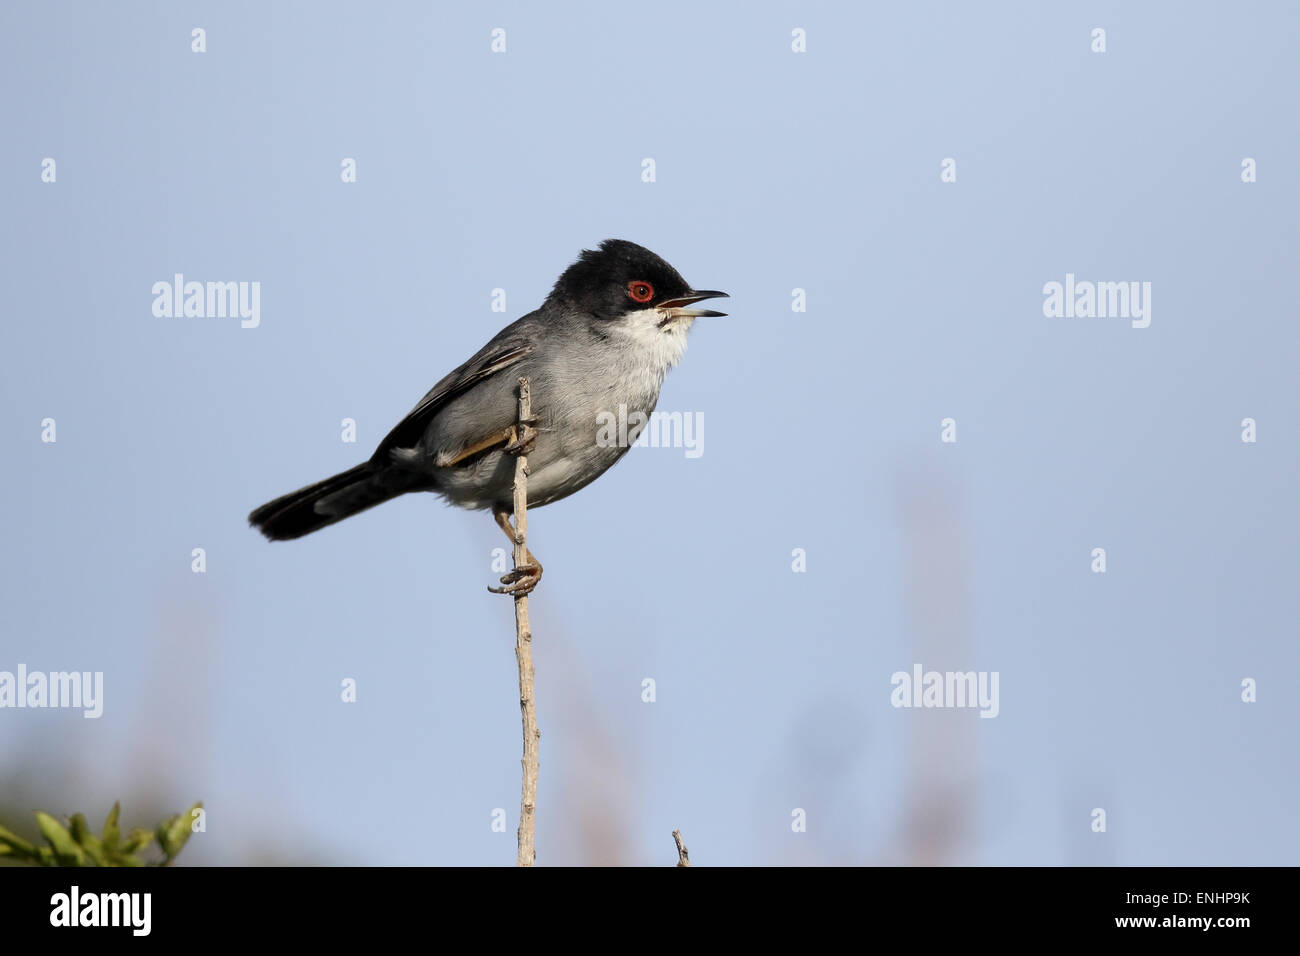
311, 508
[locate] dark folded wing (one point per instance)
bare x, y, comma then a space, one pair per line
495, 358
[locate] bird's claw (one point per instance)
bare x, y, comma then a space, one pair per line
522, 438
520, 581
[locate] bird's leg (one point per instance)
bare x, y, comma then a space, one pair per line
500, 439
503, 522
524, 577
509, 440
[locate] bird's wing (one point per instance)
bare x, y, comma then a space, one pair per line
496, 356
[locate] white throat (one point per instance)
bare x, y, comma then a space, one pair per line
660, 339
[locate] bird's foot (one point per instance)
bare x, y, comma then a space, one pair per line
520, 581
522, 438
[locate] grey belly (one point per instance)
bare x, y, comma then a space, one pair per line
566, 455
554, 472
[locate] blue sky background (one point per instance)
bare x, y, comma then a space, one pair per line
775, 170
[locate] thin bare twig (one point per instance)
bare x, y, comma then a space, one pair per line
683, 854
524, 648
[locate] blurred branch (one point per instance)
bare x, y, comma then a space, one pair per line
74, 844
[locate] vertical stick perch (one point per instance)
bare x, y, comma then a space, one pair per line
524, 646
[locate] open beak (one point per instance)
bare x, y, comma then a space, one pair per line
677, 308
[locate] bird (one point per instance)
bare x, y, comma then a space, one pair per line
612, 326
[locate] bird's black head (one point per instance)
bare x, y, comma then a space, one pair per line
622, 277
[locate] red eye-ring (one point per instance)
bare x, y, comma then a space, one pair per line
640, 291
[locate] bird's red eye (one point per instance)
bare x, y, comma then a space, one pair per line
640, 291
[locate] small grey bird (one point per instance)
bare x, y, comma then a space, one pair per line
612, 327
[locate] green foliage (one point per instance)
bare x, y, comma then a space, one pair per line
74, 844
